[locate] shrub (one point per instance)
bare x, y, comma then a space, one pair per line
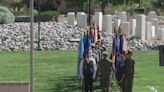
6, 16
50, 13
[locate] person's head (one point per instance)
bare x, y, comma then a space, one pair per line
130, 53
105, 54
104, 48
86, 54
90, 52
92, 46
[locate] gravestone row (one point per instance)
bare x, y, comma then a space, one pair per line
143, 27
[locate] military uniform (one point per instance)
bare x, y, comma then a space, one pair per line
105, 67
129, 74
88, 73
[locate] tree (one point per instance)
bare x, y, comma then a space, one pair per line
103, 4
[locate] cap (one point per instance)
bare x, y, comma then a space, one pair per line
105, 53
93, 45
130, 51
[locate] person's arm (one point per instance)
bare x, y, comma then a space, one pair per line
113, 68
94, 69
122, 78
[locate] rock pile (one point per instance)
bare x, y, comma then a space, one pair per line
55, 36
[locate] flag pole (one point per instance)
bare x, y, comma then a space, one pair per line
31, 44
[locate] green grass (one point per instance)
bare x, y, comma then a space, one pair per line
55, 71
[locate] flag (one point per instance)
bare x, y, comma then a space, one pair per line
80, 55
115, 47
125, 47
95, 36
87, 43
84, 37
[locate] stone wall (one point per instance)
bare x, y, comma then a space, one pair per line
55, 36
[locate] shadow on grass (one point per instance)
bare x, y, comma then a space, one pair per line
70, 84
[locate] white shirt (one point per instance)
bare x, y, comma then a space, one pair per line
91, 59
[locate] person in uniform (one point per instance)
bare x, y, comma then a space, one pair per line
88, 71
104, 71
94, 52
127, 79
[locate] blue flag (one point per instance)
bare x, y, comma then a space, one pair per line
80, 54
87, 44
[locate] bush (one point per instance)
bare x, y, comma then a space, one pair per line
49, 13
6, 16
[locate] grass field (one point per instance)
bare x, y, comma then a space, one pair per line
55, 71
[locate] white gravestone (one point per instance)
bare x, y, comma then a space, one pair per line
107, 24
71, 18
161, 34
113, 25
140, 27
132, 27
98, 19
153, 31
122, 16
155, 23
152, 15
117, 23
125, 26
83, 20
79, 18
148, 31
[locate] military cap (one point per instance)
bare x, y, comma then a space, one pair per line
130, 52
105, 53
93, 45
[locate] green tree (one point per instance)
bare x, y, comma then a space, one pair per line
103, 4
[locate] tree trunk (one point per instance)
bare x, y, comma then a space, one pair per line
103, 8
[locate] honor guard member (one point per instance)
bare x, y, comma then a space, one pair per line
88, 71
129, 73
104, 70
94, 52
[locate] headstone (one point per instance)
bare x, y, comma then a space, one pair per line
122, 16
98, 19
117, 23
61, 18
125, 26
161, 34
113, 25
152, 15
153, 31
107, 24
83, 20
71, 18
132, 27
140, 26
155, 23
148, 31
79, 18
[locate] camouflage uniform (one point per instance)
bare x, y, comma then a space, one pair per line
105, 67
129, 74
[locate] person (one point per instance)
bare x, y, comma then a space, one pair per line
127, 79
88, 71
104, 71
94, 52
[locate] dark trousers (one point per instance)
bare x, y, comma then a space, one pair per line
127, 85
104, 84
88, 84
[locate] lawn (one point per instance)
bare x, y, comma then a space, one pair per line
55, 71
